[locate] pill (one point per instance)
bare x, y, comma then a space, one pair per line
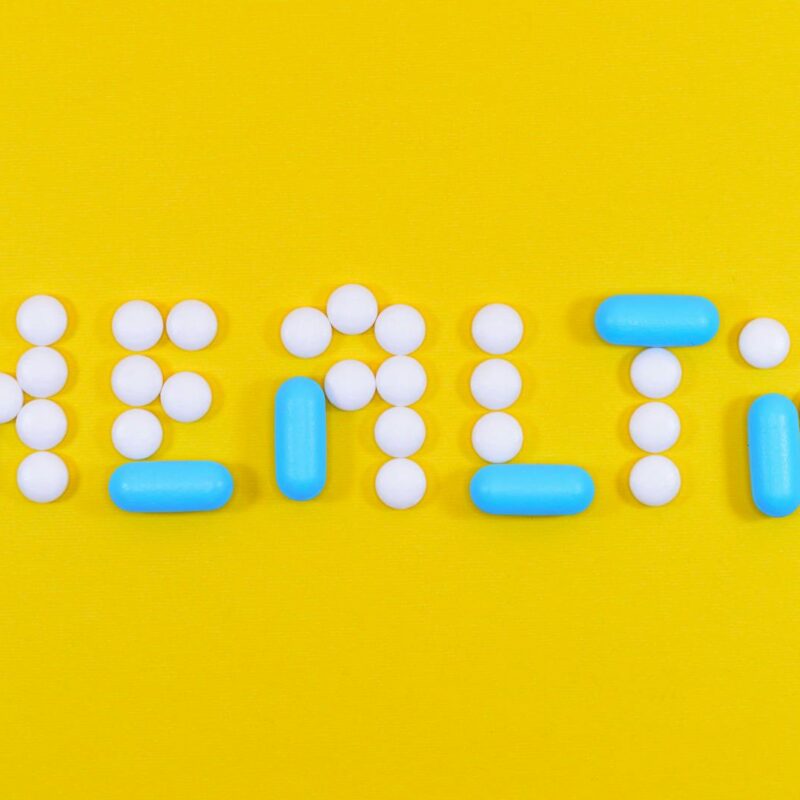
352, 308
350, 385
300, 439
192, 325
170, 486
137, 380
654, 480
773, 441
656, 373
532, 490
401, 380
400, 483
137, 434
41, 372
186, 397
41, 424
41, 320
42, 477
495, 384
657, 320
306, 332
137, 325
11, 398
497, 437
654, 427
764, 343
400, 329
497, 329
399, 432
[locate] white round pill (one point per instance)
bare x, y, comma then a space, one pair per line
400, 329
41, 320
497, 329
764, 343
656, 373
42, 372
401, 380
11, 398
352, 308
495, 384
400, 483
137, 380
42, 477
137, 434
137, 325
186, 397
306, 332
41, 424
192, 325
654, 427
349, 385
399, 432
655, 480
497, 437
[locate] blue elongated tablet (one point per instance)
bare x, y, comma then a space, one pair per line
301, 449
773, 439
532, 490
170, 486
657, 320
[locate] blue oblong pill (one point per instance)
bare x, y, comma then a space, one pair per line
170, 486
657, 320
301, 450
773, 439
532, 490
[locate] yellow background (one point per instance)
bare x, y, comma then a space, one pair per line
447, 154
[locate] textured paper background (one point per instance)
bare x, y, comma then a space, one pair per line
257, 154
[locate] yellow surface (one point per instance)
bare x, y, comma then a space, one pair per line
257, 154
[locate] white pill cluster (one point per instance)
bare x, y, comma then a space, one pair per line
655, 427
496, 383
350, 385
41, 423
764, 343
138, 381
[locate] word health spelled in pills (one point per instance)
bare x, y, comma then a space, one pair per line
514, 479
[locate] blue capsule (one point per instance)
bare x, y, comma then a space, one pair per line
773, 439
657, 320
301, 449
532, 490
170, 486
